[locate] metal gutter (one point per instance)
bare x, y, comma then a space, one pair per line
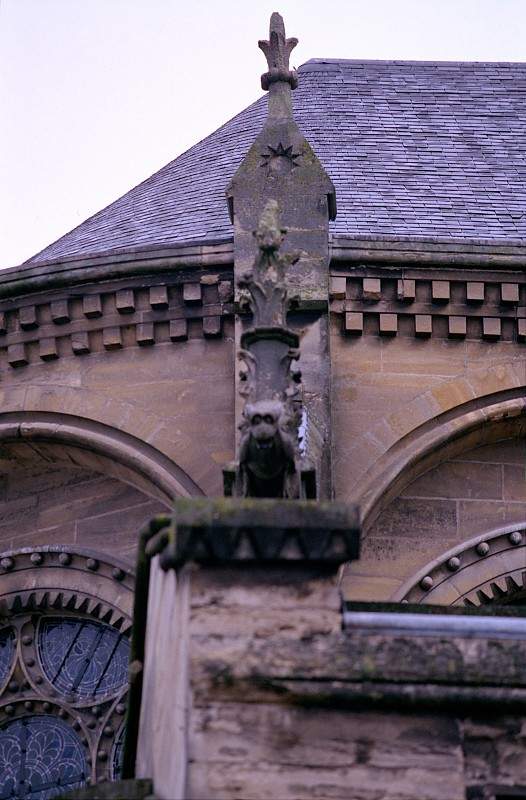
474, 627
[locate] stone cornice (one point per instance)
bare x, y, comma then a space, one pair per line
27, 278
438, 302
495, 254
48, 275
212, 532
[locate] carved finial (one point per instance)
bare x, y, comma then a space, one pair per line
277, 52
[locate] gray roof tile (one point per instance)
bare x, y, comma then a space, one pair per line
413, 148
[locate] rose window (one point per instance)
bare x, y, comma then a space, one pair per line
63, 672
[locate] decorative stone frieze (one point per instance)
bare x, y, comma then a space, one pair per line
430, 305
85, 320
223, 532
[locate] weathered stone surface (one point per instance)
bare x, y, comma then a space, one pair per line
283, 663
162, 744
256, 751
256, 530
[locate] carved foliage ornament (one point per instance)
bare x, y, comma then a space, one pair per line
277, 51
269, 463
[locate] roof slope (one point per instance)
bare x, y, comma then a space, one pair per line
414, 149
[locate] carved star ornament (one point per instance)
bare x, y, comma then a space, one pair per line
280, 159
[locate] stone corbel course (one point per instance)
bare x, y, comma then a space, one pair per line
96, 319
432, 304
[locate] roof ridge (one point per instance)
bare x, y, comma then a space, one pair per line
410, 62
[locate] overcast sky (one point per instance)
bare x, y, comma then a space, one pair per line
95, 95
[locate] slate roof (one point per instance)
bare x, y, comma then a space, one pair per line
419, 149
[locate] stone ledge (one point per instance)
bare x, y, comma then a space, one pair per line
360, 666
225, 531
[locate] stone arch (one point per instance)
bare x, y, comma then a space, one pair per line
82, 442
420, 508
497, 416
171, 424
68, 480
490, 568
442, 413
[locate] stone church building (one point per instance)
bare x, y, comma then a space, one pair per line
387, 662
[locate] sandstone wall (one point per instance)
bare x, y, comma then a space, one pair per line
45, 504
418, 353
270, 699
114, 396
481, 490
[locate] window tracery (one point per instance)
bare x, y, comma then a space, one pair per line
64, 651
486, 570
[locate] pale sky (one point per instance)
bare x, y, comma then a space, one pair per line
96, 95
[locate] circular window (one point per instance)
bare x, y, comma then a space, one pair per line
63, 671
82, 658
487, 570
40, 757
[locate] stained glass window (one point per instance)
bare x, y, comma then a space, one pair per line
63, 672
40, 757
54, 741
7, 651
118, 751
83, 658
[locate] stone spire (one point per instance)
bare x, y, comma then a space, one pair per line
282, 167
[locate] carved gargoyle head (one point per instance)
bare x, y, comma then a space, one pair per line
264, 417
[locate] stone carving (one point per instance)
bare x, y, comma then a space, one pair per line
281, 166
266, 453
280, 160
266, 282
277, 51
269, 462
